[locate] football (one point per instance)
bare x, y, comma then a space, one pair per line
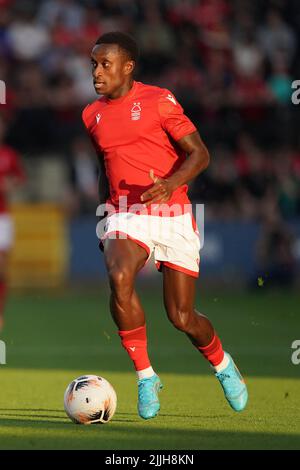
90, 399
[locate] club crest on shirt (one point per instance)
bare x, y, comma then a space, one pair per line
136, 111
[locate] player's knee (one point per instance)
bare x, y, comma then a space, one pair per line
180, 318
120, 278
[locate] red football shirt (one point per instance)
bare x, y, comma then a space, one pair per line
137, 133
10, 166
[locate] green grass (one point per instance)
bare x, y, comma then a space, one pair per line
53, 338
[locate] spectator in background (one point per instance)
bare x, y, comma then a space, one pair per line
82, 195
156, 40
221, 185
69, 12
255, 178
27, 39
280, 80
215, 95
288, 182
247, 56
276, 35
275, 253
32, 128
186, 79
77, 65
250, 95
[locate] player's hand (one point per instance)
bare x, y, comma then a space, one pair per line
160, 192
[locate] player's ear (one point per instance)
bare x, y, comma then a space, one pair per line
129, 66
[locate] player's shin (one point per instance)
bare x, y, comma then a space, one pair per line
214, 353
135, 343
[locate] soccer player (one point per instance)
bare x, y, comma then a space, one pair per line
148, 151
11, 174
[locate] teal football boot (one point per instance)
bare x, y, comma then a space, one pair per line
234, 386
148, 402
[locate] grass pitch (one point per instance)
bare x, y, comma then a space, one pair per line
52, 338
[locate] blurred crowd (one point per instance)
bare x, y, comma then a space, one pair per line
230, 63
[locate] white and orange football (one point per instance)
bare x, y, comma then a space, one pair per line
90, 399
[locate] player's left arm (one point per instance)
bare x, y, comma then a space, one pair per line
197, 160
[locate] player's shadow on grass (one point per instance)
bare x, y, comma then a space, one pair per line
23, 412
31, 409
28, 413
27, 421
136, 437
172, 415
11, 413
184, 416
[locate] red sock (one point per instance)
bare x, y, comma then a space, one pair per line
2, 296
135, 343
213, 352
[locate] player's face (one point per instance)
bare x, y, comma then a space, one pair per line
111, 70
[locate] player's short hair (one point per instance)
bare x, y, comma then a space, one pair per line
123, 40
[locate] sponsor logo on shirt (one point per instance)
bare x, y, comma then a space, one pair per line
136, 111
171, 98
98, 117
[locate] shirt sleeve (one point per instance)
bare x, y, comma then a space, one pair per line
85, 116
172, 117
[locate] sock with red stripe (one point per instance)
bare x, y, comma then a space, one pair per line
135, 343
215, 355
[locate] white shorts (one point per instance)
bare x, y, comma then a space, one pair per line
174, 241
6, 232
